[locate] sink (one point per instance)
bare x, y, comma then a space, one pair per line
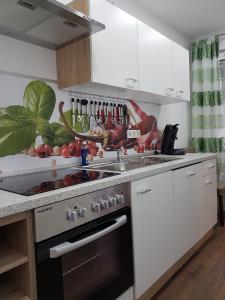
130, 164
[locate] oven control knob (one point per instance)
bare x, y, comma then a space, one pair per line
120, 199
82, 212
96, 207
112, 201
104, 204
72, 215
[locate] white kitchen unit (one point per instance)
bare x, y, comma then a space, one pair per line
188, 207
114, 50
153, 229
163, 65
155, 61
181, 72
171, 213
210, 194
127, 60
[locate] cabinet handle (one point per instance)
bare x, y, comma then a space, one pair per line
209, 182
211, 166
144, 191
179, 93
168, 91
191, 174
130, 82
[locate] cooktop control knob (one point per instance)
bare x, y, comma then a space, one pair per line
112, 201
96, 207
120, 199
104, 204
72, 215
82, 211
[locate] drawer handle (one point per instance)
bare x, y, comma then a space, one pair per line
191, 174
209, 181
211, 166
144, 192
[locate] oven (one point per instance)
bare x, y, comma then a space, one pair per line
91, 261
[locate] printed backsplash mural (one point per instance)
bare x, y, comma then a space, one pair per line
31, 130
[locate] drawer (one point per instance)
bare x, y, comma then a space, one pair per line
209, 167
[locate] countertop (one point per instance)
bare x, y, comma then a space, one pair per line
11, 203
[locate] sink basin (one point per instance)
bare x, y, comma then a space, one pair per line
130, 164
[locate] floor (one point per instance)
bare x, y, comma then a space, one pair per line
203, 277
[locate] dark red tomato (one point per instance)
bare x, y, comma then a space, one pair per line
44, 150
68, 180
72, 150
66, 152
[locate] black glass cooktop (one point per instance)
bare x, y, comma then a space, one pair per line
36, 183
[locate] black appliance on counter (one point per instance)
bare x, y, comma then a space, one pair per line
84, 246
168, 140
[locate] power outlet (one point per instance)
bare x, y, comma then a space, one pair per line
133, 134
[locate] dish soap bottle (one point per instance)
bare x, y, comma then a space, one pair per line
84, 153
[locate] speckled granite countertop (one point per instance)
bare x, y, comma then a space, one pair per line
11, 203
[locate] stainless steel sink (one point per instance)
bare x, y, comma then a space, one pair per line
130, 164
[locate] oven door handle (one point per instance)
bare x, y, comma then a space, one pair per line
67, 247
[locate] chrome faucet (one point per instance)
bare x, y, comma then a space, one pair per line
119, 154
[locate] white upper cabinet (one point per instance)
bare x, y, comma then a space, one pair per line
114, 50
163, 65
155, 53
181, 72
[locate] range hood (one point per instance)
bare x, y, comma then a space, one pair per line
46, 23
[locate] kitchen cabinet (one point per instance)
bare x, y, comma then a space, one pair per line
163, 65
155, 53
188, 207
126, 60
110, 57
181, 72
210, 194
153, 229
114, 50
17, 262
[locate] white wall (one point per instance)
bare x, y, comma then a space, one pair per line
30, 61
27, 60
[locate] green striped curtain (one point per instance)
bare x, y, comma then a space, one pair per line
207, 116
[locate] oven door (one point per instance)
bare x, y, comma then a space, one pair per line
91, 262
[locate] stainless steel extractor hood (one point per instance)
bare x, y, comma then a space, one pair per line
46, 23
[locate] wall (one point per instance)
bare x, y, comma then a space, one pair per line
21, 62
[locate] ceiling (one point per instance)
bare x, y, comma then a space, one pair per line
192, 18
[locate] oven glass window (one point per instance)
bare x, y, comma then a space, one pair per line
90, 267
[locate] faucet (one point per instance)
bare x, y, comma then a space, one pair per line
119, 154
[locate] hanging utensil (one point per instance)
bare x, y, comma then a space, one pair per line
73, 112
109, 123
78, 124
93, 122
85, 119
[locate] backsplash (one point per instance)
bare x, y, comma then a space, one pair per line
30, 118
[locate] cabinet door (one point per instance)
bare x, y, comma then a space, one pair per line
155, 53
188, 207
153, 229
114, 50
181, 72
210, 201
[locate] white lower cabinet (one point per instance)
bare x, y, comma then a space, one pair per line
171, 212
188, 207
210, 201
153, 229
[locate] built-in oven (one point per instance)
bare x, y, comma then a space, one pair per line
93, 260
